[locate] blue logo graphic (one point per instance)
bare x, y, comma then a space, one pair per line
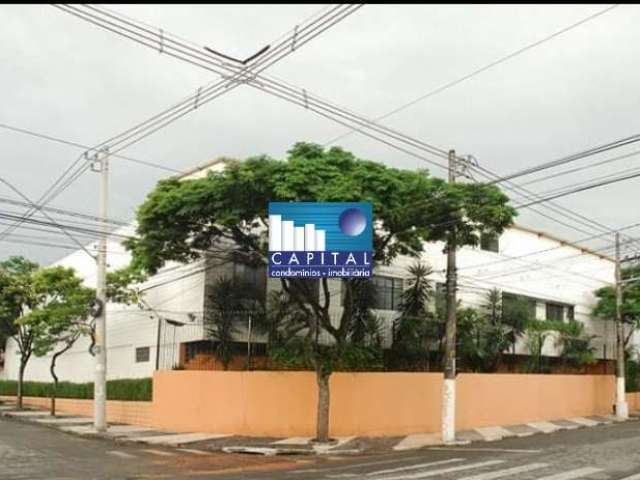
320, 239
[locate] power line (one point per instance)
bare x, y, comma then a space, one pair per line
61, 184
303, 98
320, 107
63, 211
579, 169
14, 189
580, 189
571, 158
86, 148
480, 70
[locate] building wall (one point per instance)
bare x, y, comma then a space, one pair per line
559, 273
566, 274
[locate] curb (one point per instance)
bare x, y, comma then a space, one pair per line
134, 434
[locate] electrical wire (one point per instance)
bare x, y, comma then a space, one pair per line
62, 184
480, 70
310, 101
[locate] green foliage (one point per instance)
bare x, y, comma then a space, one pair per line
121, 285
297, 354
416, 327
60, 308
537, 332
230, 303
134, 389
481, 340
576, 344
632, 374
606, 306
15, 276
182, 219
364, 327
41, 309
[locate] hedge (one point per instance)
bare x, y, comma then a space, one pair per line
133, 389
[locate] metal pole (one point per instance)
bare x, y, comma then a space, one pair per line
158, 343
622, 409
449, 385
100, 383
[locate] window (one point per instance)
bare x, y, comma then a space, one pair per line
518, 306
142, 354
388, 292
571, 313
489, 242
555, 312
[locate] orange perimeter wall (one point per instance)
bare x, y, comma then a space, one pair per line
366, 404
507, 399
633, 399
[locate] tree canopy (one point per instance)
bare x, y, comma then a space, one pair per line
186, 219
39, 307
181, 219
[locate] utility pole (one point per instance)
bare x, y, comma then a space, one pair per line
100, 382
622, 409
449, 385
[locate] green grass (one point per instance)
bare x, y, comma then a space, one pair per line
132, 389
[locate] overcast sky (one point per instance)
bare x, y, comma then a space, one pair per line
66, 78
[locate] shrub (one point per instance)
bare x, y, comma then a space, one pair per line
132, 389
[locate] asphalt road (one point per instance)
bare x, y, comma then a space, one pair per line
607, 452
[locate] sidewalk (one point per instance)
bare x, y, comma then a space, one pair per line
207, 442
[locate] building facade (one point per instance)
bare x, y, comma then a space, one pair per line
556, 278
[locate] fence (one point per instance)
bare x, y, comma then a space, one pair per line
367, 404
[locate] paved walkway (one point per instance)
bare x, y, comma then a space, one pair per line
274, 446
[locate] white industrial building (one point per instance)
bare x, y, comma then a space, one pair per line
557, 276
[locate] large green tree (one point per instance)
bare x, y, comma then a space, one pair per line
62, 316
182, 220
38, 307
606, 306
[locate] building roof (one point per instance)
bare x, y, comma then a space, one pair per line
562, 241
203, 167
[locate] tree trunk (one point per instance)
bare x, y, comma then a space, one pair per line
322, 419
54, 394
20, 381
54, 390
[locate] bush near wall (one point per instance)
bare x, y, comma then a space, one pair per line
132, 389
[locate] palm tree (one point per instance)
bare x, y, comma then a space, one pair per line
413, 329
576, 344
364, 327
230, 303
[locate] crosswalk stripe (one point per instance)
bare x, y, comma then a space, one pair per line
194, 451
355, 465
416, 466
440, 471
159, 452
506, 472
120, 454
571, 474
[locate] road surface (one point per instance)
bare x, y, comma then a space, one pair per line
607, 452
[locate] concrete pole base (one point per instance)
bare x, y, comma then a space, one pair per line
622, 410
